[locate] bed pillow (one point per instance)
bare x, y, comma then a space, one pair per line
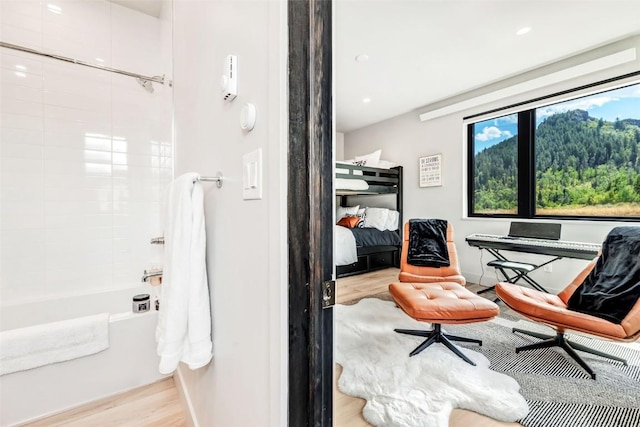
376, 218
362, 213
392, 220
370, 159
350, 221
351, 184
385, 164
342, 211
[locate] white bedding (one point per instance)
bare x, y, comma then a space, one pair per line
345, 246
381, 164
351, 184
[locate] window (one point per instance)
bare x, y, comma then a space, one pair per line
577, 158
495, 148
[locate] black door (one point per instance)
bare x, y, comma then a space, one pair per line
310, 201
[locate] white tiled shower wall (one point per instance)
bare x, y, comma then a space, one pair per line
85, 154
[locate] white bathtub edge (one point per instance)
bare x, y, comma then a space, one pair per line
36, 393
116, 317
185, 400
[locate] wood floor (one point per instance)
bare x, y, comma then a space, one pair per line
347, 410
155, 405
158, 405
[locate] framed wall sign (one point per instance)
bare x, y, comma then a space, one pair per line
431, 170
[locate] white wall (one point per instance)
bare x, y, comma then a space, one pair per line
245, 384
85, 153
339, 146
404, 139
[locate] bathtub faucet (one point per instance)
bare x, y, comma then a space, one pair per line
150, 274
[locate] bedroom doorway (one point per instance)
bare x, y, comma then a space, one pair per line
310, 216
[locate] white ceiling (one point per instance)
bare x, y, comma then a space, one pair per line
425, 51
421, 52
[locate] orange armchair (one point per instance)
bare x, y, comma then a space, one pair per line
419, 274
437, 295
552, 310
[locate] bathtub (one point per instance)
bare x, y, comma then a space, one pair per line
129, 362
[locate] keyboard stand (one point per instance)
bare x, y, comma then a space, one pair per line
521, 270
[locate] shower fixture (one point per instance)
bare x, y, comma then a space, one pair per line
144, 81
146, 84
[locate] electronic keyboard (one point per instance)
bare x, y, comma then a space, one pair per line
557, 248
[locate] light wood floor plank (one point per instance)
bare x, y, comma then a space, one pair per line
356, 287
154, 405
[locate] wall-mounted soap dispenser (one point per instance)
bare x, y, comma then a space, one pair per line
229, 79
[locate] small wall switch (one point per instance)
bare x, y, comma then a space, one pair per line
252, 175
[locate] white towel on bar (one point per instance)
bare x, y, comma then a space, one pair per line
39, 345
184, 324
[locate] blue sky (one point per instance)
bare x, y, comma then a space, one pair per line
491, 132
623, 103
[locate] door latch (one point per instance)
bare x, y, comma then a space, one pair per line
328, 293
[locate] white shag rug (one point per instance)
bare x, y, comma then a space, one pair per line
418, 391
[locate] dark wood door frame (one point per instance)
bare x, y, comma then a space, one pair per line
310, 201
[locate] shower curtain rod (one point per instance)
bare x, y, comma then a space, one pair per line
155, 79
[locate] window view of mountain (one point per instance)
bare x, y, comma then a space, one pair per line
496, 178
584, 166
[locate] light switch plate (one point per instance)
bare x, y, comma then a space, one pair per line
252, 175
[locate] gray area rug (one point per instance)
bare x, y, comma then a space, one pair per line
559, 392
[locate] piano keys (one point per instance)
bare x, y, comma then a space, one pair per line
556, 248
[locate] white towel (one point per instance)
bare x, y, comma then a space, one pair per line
184, 324
39, 345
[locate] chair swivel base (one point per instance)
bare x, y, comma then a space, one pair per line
569, 347
436, 335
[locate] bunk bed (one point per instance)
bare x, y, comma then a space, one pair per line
374, 249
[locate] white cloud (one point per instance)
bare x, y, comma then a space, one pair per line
578, 104
492, 132
590, 102
512, 118
628, 92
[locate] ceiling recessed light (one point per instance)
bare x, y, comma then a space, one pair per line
363, 57
21, 67
366, 100
20, 74
523, 30
99, 59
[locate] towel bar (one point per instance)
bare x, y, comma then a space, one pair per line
217, 179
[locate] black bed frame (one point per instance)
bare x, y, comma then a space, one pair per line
381, 181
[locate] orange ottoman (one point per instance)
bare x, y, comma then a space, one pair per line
441, 303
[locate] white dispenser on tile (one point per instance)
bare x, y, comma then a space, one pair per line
229, 79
